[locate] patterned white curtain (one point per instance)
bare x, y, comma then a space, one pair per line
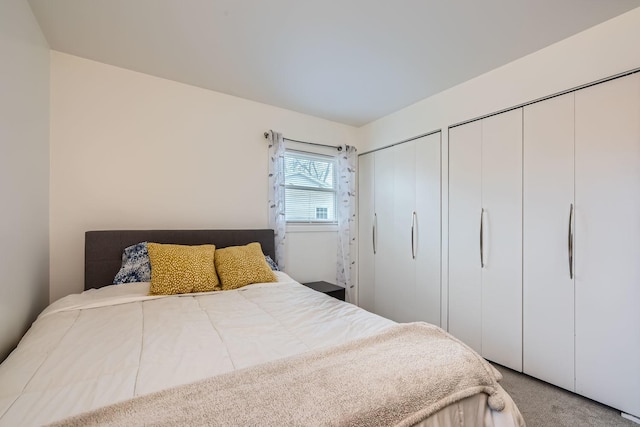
277, 219
346, 219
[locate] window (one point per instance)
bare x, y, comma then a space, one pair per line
310, 187
321, 213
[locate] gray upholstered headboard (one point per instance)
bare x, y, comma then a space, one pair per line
103, 249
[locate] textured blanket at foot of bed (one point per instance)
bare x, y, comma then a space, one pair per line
398, 377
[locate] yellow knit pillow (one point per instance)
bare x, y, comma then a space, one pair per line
239, 266
180, 269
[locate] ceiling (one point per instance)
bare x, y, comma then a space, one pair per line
350, 61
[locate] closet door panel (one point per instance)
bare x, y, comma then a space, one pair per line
428, 230
502, 272
548, 314
366, 211
465, 286
384, 271
404, 195
608, 243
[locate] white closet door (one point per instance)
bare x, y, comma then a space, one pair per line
465, 202
384, 270
366, 211
607, 243
502, 272
548, 323
404, 199
428, 230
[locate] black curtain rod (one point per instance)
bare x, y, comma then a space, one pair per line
339, 148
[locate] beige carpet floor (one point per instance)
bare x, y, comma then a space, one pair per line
543, 405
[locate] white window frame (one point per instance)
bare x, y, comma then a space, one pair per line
310, 225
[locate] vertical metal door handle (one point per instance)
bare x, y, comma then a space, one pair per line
570, 243
413, 226
375, 224
481, 239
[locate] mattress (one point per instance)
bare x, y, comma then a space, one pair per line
110, 344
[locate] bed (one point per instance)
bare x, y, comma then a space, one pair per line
266, 354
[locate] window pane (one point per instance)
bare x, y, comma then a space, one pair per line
310, 195
321, 213
309, 205
308, 171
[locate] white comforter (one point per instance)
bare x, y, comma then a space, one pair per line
103, 346
107, 345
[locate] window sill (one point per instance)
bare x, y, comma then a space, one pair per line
312, 228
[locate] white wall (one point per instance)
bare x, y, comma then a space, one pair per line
311, 254
24, 171
602, 51
132, 151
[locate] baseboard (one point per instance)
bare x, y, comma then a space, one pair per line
630, 417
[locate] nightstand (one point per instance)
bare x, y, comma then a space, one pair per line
327, 288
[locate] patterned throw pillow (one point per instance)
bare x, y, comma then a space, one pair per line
181, 269
239, 266
271, 263
135, 265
